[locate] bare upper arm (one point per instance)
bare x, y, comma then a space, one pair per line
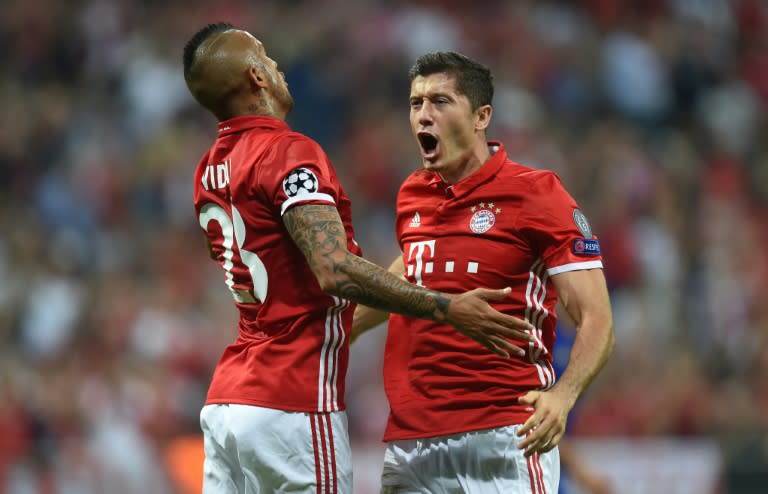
397, 267
318, 232
583, 292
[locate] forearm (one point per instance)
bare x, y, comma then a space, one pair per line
319, 233
366, 318
584, 296
591, 348
361, 281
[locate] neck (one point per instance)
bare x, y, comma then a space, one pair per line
266, 107
469, 164
264, 110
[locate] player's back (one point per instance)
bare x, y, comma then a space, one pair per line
291, 350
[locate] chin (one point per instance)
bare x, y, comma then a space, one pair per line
287, 105
432, 166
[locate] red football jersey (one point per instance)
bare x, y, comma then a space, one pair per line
291, 351
504, 225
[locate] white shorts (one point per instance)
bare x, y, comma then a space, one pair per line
255, 450
477, 462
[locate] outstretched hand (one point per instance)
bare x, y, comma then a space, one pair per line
472, 316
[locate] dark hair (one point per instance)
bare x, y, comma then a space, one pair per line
197, 39
473, 79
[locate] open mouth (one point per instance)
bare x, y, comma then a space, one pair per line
428, 143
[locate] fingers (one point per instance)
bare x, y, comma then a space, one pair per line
497, 338
507, 347
496, 344
510, 325
542, 432
500, 328
550, 445
487, 294
534, 441
529, 398
505, 320
496, 348
541, 440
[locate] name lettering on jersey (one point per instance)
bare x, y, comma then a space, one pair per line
415, 221
483, 217
216, 176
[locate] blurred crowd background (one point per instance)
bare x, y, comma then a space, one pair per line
653, 112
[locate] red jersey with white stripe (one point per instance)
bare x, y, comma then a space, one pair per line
291, 352
504, 225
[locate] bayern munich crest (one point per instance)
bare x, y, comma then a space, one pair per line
483, 217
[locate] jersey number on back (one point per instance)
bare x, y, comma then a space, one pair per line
233, 232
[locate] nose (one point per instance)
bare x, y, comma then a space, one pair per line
424, 114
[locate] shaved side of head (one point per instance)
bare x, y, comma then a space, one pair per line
216, 61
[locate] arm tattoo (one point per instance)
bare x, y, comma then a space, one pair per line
319, 233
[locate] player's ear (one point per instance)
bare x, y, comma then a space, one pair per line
256, 77
483, 117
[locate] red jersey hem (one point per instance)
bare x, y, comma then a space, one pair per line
512, 419
267, 404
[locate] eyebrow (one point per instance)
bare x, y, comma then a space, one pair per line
431, 95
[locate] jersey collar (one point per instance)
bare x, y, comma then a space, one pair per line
246, 122
483, 174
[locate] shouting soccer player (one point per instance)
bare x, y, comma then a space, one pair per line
463, 420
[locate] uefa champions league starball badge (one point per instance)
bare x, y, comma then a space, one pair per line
300, 181
483, 217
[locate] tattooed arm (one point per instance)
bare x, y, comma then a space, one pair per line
318, 232
365, 317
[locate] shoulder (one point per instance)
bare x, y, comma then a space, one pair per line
419, 178
535, 179
527, 173
295, 146
416, 186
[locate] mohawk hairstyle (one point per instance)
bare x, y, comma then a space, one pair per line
198, 38
473, 79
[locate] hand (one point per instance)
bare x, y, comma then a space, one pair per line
547, 424
472, 316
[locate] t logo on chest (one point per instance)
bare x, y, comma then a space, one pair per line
421, 261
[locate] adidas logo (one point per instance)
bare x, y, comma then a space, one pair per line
415, 221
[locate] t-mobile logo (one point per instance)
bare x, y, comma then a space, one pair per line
420, 256
421, 261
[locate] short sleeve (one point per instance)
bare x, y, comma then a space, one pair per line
557, 229
299, 172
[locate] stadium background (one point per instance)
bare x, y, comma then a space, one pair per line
111, 318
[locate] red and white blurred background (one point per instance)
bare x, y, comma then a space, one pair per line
111, 317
